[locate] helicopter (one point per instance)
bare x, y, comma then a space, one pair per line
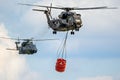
26, 46
67, 20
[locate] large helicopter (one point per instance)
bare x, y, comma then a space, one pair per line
67, 20
26, 46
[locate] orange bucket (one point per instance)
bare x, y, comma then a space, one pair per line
60, 65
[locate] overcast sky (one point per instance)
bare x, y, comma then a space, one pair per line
93, 53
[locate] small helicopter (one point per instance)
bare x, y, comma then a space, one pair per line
27, 46
67, 20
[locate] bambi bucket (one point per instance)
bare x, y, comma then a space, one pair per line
60, 65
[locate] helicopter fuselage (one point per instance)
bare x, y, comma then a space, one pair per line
27, 48
66, 21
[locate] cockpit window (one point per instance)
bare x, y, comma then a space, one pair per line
64, 16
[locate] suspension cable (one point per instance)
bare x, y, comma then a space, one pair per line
62, 52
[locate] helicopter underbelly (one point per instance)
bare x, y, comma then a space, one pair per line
64, 25
67, 28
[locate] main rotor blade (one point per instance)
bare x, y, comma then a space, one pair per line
9, 38
71, 8
92, 8
14, 38
38, 10
11, 49
43, 39
32, 39
40, 6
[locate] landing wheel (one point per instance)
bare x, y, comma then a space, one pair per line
54, 32
72, 33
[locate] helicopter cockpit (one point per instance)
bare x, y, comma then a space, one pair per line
63, 15
66, 18
24, 44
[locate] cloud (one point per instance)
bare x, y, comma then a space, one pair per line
12, 65
97, 78
117, 77
32, 76
101, 78
35, 22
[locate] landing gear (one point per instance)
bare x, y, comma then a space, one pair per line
77, 29
54, 32
72, 33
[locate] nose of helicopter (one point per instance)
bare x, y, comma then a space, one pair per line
34, 51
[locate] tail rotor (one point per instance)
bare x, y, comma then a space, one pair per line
18, 41
49, 10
